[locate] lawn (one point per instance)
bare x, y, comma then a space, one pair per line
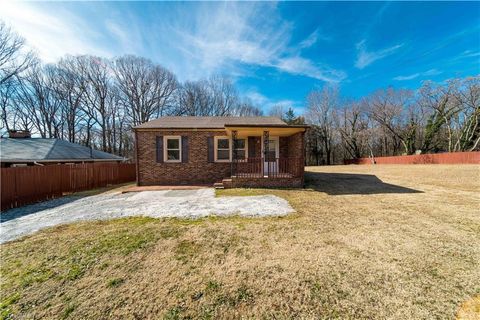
376, 242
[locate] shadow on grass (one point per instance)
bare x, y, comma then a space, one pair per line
19, 212
349, 183
36, 207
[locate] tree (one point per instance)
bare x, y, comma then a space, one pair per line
393, 111
69, 87
37, 98
14, 59
146, 88
321, 112
352, 124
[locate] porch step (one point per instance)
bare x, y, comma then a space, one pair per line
227, 183
218, 185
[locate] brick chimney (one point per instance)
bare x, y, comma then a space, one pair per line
19, 134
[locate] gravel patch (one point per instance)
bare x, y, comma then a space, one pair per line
159, 204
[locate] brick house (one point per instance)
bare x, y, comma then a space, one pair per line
225, 151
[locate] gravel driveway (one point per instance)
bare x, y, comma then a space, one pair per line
166, 203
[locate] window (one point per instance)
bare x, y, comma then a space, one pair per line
241, 149
222, 149
172, 148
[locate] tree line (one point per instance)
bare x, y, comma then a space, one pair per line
435, 118
96, 101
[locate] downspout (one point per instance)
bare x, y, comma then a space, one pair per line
38, 164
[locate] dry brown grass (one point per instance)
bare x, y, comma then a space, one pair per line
397, 242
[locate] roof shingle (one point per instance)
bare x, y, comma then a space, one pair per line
38, 149
209, 122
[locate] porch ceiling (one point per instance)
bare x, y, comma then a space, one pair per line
258, 131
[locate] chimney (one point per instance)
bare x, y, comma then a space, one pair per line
19, 134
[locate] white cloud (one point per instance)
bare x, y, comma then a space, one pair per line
266, 104
470, 54
301, 66
192, 40
431, 72
220, 37
51, 33
365, 57
312, 39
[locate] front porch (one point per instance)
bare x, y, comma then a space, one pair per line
266, 157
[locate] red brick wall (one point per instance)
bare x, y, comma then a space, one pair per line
196, 171
265, 183
439, 158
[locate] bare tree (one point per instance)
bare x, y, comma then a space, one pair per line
97, 109
246, 108
352, 124
277, 110
36, 97
321, 112
69, 87
467, 120
393, 111
14, 59
146, 89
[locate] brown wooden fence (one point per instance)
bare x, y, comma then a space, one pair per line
23, 185
439, 158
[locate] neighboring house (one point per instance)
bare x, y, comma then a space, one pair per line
22, 150
227, 151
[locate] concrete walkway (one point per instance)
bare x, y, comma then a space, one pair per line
18, 222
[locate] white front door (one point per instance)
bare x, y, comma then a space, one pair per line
270, 158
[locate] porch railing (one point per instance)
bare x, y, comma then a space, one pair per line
271, 168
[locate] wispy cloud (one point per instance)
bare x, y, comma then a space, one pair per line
431, 72
193, 40
469, 54
313, 38
221, 37
267, 104
365, 57
301, 66
52, 34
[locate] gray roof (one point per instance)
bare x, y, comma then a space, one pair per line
39, 149
209, 122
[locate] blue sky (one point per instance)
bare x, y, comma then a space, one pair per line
276, 52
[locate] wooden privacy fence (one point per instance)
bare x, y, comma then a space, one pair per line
23, 185
438, 158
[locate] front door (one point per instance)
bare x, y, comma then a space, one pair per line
270, 158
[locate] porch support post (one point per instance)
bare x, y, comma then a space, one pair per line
234, 153
266, 138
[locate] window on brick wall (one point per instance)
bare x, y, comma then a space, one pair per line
222, 149
172, 148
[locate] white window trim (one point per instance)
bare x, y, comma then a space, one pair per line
215, 149
230, 148
165, 149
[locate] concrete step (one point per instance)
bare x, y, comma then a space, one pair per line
218, 185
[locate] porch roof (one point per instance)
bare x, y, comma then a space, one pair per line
257, 130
